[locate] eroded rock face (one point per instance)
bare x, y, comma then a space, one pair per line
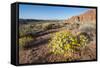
89, 16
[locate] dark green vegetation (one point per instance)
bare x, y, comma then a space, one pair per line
43, 41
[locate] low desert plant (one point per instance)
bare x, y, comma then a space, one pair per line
29, 29
69, 27
46, 26
76, 25
87, 27
23, 42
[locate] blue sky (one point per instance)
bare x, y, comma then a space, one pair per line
48, 12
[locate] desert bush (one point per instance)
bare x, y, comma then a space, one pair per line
69, 27
23, 42
87, 27
88, 36
75, 25
47, 26
24, 29
29, 29
64, 42
72, 26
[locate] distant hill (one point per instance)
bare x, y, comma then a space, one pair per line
25, 21
88, 16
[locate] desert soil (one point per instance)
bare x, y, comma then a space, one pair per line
39, 52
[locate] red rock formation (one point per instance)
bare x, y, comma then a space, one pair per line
89, 16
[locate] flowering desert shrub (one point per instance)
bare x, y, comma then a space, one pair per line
65, 42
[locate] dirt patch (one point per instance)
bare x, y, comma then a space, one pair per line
41, 54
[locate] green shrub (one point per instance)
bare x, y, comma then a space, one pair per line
24, 29
29, 29
65, 42
23, 42
47, 26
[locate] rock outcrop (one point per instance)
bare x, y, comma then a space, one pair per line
88, 16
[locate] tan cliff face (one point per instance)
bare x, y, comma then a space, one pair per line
88, 16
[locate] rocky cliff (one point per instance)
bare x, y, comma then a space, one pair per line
88, 16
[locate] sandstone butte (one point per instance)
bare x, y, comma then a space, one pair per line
88, 16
